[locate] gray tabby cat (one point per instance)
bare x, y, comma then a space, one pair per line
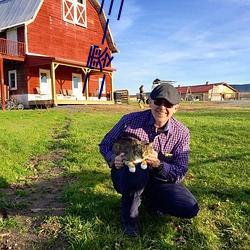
135, 151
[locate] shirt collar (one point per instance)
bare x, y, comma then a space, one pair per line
167, 126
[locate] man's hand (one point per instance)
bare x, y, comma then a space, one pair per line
153, 160
119, 161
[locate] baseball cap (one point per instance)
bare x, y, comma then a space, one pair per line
166, 91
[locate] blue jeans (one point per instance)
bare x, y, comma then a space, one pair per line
168, 198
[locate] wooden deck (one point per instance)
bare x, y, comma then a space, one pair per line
50, 103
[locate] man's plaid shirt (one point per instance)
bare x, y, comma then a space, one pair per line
172, 144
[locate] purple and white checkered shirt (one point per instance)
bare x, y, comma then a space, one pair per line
172, 145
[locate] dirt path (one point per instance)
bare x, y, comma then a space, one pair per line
34, 203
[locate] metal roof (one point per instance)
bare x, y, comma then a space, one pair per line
202, 88
16, 12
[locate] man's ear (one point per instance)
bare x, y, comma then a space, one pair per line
176, 107
149, 101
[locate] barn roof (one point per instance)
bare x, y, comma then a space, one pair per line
201, 88
18, 12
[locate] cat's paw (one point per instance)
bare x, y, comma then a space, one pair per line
132, 170
144, 166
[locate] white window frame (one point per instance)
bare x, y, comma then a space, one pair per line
78, 16
100, 85
15, 75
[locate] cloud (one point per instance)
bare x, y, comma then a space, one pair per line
129, 13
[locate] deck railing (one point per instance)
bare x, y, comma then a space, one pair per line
12, 48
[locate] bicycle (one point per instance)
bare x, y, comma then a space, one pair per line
12, 104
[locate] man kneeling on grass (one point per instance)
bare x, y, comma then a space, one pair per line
160, 184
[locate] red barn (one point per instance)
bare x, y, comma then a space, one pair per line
44, 51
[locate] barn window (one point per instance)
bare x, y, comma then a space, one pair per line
12, 80
74, 11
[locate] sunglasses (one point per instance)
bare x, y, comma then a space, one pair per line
159, 102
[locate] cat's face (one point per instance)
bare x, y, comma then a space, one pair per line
146, 148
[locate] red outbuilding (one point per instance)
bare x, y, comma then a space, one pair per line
44, 51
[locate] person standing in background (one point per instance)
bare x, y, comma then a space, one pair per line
142, 98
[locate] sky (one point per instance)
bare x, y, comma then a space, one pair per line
187, 41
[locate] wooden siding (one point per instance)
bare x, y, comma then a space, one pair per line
51, 36
3, 34
20, 34
63, 76
94, 84
21, 77
33, 78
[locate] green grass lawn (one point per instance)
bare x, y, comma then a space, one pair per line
218, 176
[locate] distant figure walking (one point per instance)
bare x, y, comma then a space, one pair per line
142, 98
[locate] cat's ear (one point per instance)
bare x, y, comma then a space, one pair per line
151, 144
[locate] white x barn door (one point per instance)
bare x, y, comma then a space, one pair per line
74, 11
